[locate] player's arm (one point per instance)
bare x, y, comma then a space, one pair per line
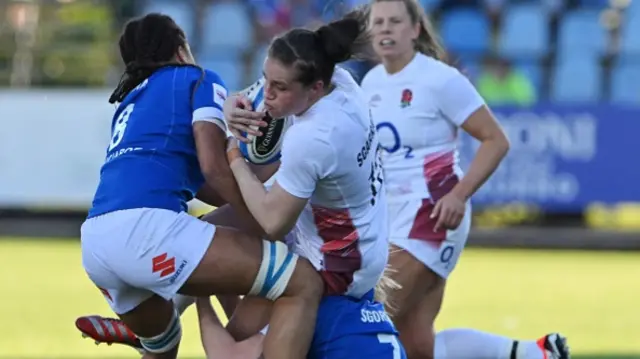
461, 103
303, 163
217, 342
209, 131
209, 196
264, 172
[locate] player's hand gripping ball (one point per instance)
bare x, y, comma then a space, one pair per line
263, 149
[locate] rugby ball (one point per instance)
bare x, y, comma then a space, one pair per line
265, 149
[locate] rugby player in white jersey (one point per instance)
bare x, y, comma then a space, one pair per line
419, 104
330, 166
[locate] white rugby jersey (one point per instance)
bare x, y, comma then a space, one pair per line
329, 155
417, 112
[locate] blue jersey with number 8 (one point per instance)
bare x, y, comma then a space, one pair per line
151, 159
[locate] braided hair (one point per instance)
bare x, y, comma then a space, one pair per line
147, 44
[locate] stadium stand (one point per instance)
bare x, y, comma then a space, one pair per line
566, 48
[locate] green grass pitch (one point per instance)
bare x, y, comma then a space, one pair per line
592, 297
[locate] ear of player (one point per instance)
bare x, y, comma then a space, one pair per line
263, 149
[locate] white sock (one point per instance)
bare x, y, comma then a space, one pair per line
474, 344
529, 349
182, 302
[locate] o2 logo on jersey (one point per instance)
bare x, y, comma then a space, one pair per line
446, 255
397, 143
120, 126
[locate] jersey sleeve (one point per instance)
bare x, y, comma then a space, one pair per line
208, 99
458, 99
303, 162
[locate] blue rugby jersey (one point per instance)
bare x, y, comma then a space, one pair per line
350, 328
151, 160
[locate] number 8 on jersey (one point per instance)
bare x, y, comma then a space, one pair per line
120, 126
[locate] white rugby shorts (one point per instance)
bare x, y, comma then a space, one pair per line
135, 253
411, 229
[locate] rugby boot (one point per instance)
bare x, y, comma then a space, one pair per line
108, 330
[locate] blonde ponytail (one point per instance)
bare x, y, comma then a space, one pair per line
385, 285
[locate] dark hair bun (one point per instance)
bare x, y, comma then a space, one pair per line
338, 38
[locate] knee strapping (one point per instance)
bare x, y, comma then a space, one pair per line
166, 341
276, 269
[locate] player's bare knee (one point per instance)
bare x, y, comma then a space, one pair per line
167, 341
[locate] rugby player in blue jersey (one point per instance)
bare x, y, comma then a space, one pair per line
139, 245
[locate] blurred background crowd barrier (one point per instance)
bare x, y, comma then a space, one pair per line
563, 77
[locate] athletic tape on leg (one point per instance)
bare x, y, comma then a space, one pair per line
166, 341
275, 271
